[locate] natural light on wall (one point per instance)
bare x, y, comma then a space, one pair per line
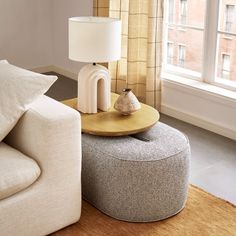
201, 40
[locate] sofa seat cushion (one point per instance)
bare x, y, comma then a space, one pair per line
17, 171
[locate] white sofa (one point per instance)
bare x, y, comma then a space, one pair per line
40, 166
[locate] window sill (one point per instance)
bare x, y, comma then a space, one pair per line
227, 37
201, 104
202, 89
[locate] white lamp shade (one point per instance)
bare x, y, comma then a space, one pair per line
94, 39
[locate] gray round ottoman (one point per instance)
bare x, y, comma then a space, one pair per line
137, 178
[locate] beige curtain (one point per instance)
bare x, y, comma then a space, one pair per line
140, 64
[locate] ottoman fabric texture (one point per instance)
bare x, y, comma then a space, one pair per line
135, 180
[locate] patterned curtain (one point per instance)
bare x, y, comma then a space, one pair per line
140, 65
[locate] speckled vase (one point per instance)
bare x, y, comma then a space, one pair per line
127, 102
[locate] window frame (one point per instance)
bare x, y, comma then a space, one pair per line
210, 41
211, 32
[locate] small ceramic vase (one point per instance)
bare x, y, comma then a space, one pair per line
127, 102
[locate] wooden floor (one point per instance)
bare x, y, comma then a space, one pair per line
204, 215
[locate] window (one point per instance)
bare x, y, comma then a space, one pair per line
225, 71
171, 11
207, 45
170, 53
181, 58
183, 12
229, 17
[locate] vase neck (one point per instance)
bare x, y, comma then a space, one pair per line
126, 90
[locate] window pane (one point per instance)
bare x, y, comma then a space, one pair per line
186, 12
183, 12
187, 48
171, 11
182, 55
227, 15
170, 52
226, 65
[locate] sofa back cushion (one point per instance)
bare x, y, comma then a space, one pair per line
18, 89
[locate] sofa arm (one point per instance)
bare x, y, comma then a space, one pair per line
50, 133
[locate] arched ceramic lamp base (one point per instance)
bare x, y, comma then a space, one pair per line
93, 89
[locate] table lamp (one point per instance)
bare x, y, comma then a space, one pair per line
94, 39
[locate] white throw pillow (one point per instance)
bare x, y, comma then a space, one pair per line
18, 89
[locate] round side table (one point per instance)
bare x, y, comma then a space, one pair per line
112, 123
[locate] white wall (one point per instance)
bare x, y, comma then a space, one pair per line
25, 32
62, 10
33, 33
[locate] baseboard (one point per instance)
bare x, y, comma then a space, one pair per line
42, 69
65, 72
200, 122
57, 69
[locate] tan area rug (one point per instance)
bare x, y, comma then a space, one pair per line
203, 215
